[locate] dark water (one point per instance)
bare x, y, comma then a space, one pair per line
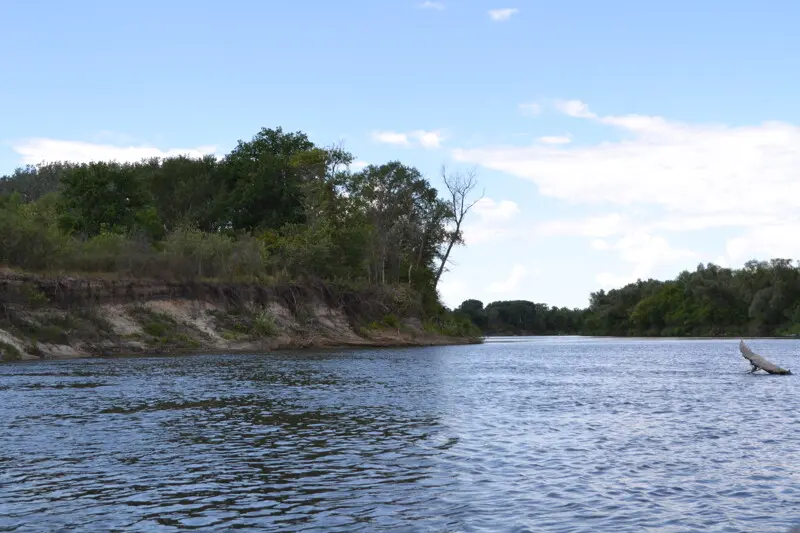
543, 435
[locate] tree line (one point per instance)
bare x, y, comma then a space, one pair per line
760, 299
277, 207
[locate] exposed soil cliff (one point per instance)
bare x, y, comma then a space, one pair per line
61, 317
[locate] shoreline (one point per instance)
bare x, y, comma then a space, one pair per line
645, 337
259, 351
48, 317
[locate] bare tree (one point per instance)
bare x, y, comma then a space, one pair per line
459, 186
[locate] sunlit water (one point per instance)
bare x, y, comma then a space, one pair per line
536, 435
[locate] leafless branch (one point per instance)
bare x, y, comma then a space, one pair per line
460, 187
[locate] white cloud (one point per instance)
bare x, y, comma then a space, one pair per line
493, 221
631, 240
765, 242
704, 172
489, 210
516, 276
423, 138
646, 253
596, 226
34, 151
608, 281
574, 108
428, 139
530, 108
475, 234
432, 5
555, 139
453, 291
683, 222
501, 15
722, 261
358, 165
391, 137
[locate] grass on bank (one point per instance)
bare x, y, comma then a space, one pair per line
9, 352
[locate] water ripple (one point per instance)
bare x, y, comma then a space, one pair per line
555, 435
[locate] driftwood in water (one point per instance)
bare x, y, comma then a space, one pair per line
759, 363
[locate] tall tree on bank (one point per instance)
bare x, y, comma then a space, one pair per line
460, 187
403, 213
277, 207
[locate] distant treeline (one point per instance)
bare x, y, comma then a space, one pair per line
276, 208
762, 298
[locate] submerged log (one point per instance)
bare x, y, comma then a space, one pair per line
759, 363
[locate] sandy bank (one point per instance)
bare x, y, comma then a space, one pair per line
68, 317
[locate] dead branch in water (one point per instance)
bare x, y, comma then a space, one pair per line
759, 363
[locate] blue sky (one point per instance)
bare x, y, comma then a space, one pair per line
614, 140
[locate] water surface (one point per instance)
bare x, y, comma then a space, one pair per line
549, 434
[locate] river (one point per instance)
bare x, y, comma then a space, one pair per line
519, 435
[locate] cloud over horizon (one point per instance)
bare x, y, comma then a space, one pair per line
490, 221
423, 138
663, 176
44, 150
511, 282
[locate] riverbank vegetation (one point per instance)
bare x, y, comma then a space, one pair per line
762, 298
277, 209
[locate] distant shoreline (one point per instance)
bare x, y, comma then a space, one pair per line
639, 337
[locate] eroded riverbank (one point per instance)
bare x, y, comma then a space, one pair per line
69, 317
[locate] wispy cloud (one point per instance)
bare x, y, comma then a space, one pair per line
530, 108
710, 172
511, 283
605, 225
574, 108
424, 138
454, 291
428, 139
501, 15
645, 253
662, 177
493, 222
358, 165
42, 150
555, 139
432, 5
489, 210
391, 137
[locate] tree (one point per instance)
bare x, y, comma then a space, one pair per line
277, 202
405, 216
102, 196
262, 187
459, 186
322, 179
476, 313
184, 190
34, 182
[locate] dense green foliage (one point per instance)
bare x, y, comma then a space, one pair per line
763, 298
276, 208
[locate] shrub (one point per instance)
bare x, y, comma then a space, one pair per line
453, 325
391, 321
100, 253
9, 352
264, 325
28, 237
193, 254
